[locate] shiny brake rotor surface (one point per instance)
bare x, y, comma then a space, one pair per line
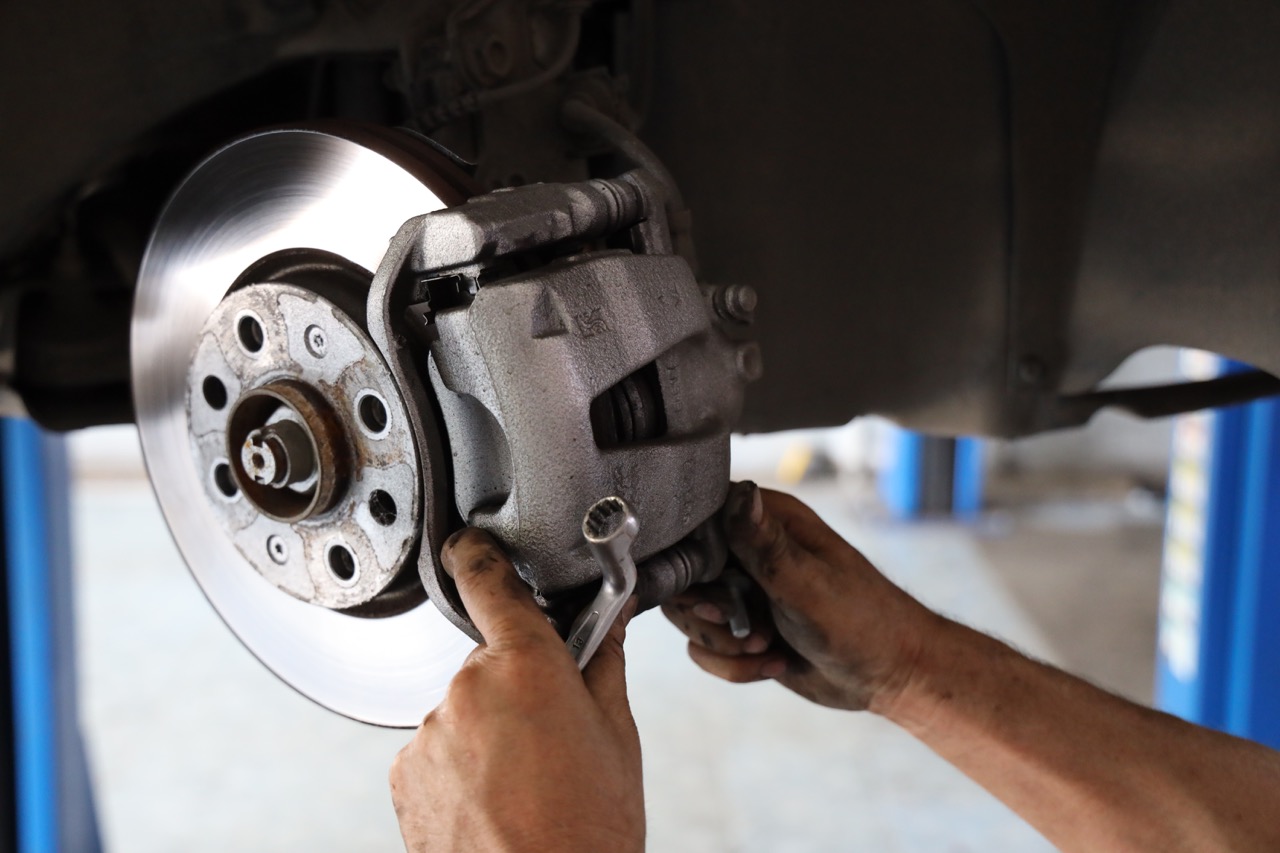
344, 193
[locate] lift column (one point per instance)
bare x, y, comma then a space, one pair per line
46, 804
930, 476
1218, 660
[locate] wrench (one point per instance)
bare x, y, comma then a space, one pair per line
610, 526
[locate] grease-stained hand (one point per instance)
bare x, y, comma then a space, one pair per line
525, 753
825, 623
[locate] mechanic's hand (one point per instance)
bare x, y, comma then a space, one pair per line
524, 753
825, 623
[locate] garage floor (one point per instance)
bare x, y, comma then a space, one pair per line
195, 746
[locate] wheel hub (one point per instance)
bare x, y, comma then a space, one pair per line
327, 494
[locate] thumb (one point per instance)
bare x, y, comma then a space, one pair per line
606, 674
758, 525
499, 603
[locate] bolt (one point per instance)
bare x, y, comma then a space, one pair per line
277, 455
750, 363
315, 340
263, 459
736, 302
277, 550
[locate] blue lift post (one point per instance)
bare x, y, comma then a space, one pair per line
928, 475
50, 806
1218, 661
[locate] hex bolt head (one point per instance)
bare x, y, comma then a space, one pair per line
736, 302
316, 342
277, 550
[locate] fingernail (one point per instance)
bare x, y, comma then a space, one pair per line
709, 612
742, 506
774, 669
755, 644
446, 551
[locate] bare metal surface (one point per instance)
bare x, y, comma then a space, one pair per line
313, 412
739, 617
272, 192
698, 558
615, 315
610, 526
507, 222
516, 366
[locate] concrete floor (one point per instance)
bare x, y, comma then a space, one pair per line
195, 746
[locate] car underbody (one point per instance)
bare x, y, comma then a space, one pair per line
365, 271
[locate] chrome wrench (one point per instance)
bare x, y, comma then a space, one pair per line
610, 526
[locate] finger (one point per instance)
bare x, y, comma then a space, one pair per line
498, 602
761, 543
739, 669
804, 525
606, 674
764, 540
719, 638
710, 602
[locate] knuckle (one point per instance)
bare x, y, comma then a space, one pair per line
524, 646
778, 546
401, 768
461, 695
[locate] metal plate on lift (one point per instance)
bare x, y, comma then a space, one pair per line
275, 192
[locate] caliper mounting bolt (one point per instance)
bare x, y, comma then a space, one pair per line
736, 302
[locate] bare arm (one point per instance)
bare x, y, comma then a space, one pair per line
1089, 770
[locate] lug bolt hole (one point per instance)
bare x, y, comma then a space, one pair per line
224, 481
341, 563
215, 393
382, 507
372, 413
249, 330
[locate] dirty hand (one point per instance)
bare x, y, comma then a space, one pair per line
825, 623
524, 753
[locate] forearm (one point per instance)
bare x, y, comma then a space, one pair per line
1089, 770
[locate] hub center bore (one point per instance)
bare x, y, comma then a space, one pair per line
288, 450
278, 455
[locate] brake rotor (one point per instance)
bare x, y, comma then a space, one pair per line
273, 433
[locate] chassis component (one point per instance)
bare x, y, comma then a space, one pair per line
315, 429
598, 372
1010, 197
